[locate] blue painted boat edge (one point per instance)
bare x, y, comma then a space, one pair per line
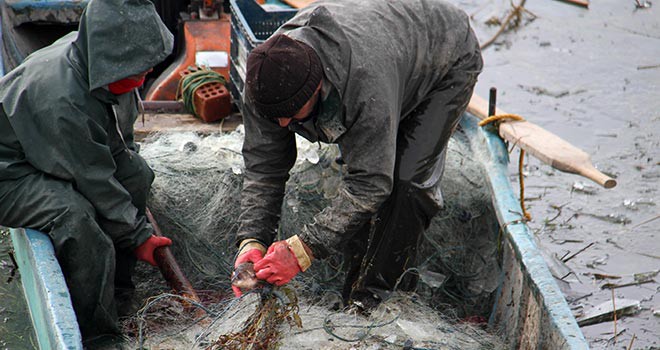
46, 4
518, 233
46, 292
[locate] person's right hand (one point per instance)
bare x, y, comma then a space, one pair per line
145, 251
249, 251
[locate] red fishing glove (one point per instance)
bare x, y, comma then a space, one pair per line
283, 261
145, 251
250, 250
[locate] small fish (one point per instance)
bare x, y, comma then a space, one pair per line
244, 277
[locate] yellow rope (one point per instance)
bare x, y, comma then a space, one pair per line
521, 179
499, 118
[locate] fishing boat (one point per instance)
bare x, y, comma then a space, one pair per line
529, 310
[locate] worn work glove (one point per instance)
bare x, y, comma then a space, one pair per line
145, 251
249, 251
283, 261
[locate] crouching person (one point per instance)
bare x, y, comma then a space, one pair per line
69, 166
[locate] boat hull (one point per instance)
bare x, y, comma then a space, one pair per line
529, 311
46, 292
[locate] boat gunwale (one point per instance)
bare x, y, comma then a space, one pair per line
45, 290
514, 228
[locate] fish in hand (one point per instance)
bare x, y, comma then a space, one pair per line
244, 277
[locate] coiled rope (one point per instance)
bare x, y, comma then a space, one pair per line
189, 83
497, 119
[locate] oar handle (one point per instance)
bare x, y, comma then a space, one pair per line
598, 177
168, 266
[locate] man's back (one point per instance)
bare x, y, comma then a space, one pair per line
408, 45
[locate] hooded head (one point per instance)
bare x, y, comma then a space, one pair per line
282, 75
121, 38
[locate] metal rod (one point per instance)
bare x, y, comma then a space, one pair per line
492, 100
163, 106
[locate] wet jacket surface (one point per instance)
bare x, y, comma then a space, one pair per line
382, 59
58, 117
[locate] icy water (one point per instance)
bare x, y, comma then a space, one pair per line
593, 77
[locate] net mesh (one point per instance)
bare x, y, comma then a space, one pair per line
196, 201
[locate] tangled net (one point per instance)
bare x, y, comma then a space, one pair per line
196, 201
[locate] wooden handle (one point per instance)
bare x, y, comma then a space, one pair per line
169, 268
583, 3
544, 145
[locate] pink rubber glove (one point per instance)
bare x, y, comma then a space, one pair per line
253, 253
279, 265
145, 251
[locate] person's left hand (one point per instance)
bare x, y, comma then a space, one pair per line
250, 251
145, 251
278, 266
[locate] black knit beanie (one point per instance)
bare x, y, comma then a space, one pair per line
282, 75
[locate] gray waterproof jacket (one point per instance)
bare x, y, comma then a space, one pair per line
382, 58
59, 118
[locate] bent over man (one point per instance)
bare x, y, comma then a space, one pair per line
68, 163
387, 81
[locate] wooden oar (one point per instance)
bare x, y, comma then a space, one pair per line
583, 3
544, 145
169, 267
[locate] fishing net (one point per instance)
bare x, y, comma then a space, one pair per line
195, 200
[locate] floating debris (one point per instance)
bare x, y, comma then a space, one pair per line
537, 90
615, 286
635, 204
561, 241
557, 267
649, 255
512, 20
648, 67
599, 261
602, 276
605, 311
611, 218
493, 21
651, 175
645, 276
584, 188
578, 252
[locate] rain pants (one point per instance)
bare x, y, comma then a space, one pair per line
398, 76
68, 163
